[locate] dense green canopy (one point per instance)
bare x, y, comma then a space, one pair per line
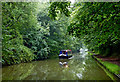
97, 24
30, 34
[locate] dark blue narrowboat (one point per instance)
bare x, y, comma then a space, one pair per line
65, 54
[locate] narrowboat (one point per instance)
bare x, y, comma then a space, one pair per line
65, 54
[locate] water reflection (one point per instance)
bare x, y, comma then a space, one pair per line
17, 71
63, 63
79, 75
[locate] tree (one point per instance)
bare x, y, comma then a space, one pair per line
16, 21
30, 34
97, 25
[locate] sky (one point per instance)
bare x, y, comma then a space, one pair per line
72, 1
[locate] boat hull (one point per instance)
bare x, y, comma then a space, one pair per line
65, 57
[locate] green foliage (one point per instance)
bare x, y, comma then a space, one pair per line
13, 50
29, 33
15, 22
55, 7
57, 38
36, 40
96, 25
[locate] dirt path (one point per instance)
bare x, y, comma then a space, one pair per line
113, 60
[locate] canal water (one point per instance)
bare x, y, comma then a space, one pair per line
80, 67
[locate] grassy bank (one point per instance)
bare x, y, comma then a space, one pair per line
112, 70
108, 73
110, 66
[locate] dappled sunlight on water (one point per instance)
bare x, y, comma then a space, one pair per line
78, 68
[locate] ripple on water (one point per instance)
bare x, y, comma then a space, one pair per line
79, 75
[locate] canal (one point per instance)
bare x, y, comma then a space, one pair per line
80, 67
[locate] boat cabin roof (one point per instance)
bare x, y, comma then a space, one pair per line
66, 50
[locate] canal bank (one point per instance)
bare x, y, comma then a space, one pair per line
114, 75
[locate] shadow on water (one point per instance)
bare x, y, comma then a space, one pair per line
78, 68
